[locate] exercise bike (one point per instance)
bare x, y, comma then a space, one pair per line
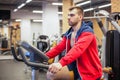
38, 60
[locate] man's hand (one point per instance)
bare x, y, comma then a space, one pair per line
55, 67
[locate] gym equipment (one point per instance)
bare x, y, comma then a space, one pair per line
112, 45
39, 62
43, 43
14, 54
36, 58
110, 18
4, 47
4, 43
113, 53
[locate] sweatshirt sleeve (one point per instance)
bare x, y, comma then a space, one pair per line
78, 49
57, 49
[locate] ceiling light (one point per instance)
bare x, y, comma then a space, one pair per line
83, 3
23, 4
37, 11
15, 10
90, 9
28, 1
0, 20
103, 6
59, 12
58, 4
106, 5
37, 20
18, 20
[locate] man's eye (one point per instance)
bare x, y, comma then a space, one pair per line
71, 15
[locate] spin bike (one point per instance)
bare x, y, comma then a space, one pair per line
37, 60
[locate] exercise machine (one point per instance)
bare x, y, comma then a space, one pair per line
4, 45
111, 45
43, 43
38, 60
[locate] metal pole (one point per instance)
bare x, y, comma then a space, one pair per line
35, 74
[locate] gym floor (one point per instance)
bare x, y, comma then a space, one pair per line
14, 70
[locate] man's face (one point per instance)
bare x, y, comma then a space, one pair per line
74, 17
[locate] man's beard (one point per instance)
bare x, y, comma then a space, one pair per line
72, 24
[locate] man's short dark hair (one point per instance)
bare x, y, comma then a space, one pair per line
80, 10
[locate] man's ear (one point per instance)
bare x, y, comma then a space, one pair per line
81, 17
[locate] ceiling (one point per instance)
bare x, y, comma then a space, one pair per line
12, 4
37, 4
95, 4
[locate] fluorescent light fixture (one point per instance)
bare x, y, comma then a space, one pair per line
106, 5
37, 20
18, 20
59, 12
90, 17
0, 20
83, 3
90, 9
23, 4
37, 11
15, 10
58, 4
28, 1
103, 6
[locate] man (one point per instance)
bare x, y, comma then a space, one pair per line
81, 49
